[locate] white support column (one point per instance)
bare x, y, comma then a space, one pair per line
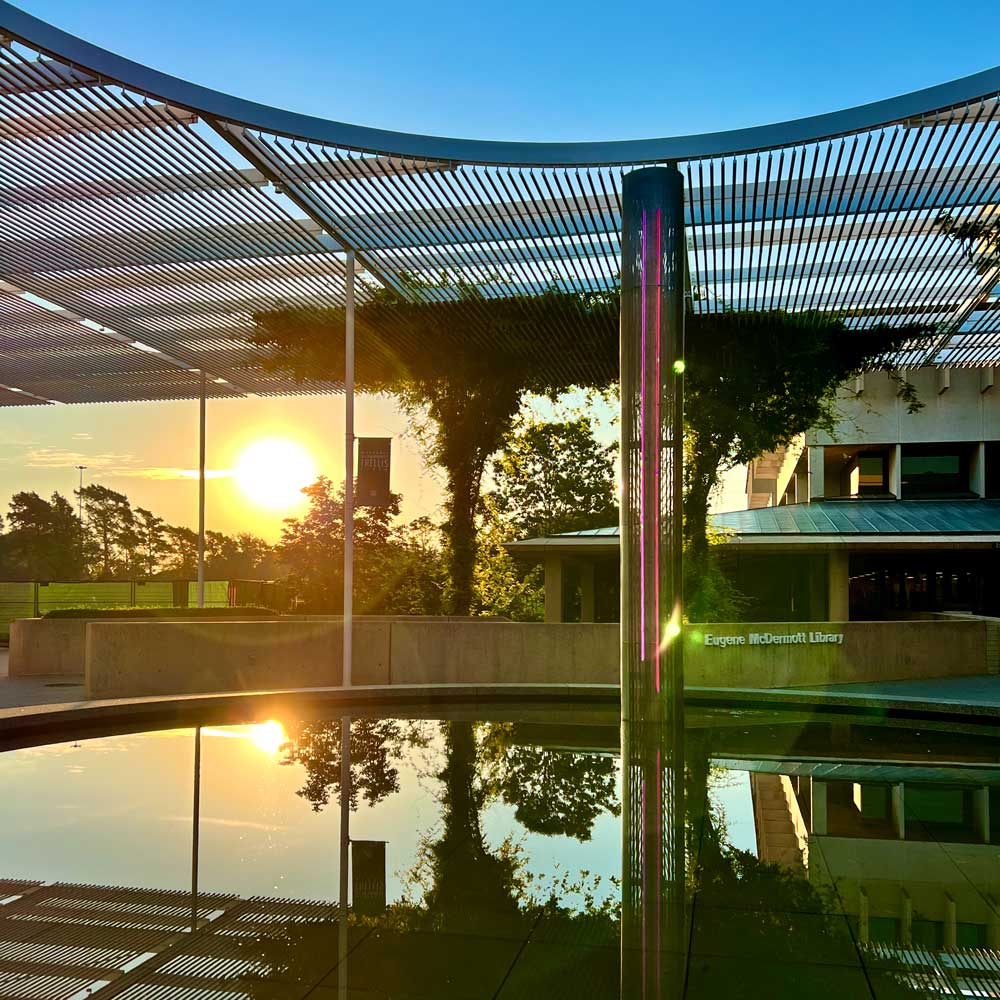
817, 473
899, 810
905, 919
896, 470
587, 592
943, 380
863, 933
977, 469
201, 494
838, 586
817, 807
986, 379
553, 588
950, 924
348, 469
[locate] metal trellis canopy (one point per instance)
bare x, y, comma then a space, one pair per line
144, 220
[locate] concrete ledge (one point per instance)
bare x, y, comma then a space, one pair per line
58, 646
868, 651
430, 652
134, 659
125, 659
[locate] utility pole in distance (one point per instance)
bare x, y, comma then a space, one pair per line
79, 496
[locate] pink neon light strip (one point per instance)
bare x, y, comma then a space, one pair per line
642, 444
656, 414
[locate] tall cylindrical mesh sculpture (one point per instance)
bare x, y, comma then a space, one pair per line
652, 353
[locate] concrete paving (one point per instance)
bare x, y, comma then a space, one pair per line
19, 692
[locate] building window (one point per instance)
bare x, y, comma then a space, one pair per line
939, 473
873, 474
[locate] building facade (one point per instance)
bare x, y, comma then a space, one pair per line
891, 514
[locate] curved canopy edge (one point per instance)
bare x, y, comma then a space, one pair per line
67, 48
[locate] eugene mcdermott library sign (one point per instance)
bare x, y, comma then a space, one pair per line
775, 639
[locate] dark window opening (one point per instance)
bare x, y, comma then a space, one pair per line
938, 472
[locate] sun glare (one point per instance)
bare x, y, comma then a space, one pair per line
271, 472
268, 736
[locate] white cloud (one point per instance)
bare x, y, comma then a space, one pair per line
112, 465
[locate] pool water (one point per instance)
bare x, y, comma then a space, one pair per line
791, 856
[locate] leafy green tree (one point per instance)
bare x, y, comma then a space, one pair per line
754, 382
554, 477
502, 586
396, 570
44, 540
465, 361
241, 557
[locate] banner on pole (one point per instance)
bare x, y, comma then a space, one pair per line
368, 876
373, 472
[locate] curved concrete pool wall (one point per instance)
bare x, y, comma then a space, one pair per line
137, 659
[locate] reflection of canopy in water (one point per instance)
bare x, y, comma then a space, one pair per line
146, 219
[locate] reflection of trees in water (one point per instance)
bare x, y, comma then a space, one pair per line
758, 930
377, 746
552, 791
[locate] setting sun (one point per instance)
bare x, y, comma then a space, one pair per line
272, 471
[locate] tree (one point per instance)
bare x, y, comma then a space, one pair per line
111, 524
243, 557
182, 552
152, 546
396, 569
553, 477
464, 360
502, 586
755, 381
45, 540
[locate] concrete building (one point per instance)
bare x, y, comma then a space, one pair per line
893, 514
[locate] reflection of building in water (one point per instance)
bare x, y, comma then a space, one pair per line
909, 853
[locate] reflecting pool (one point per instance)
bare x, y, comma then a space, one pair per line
761, 855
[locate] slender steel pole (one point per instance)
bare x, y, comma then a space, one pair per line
348, 470
345, 843
195, 822
201, 494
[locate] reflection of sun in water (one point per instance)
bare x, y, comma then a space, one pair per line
272, 471
267, 736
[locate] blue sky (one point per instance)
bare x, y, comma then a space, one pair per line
561, 71
509, 70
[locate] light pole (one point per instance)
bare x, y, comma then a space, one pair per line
79, 495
